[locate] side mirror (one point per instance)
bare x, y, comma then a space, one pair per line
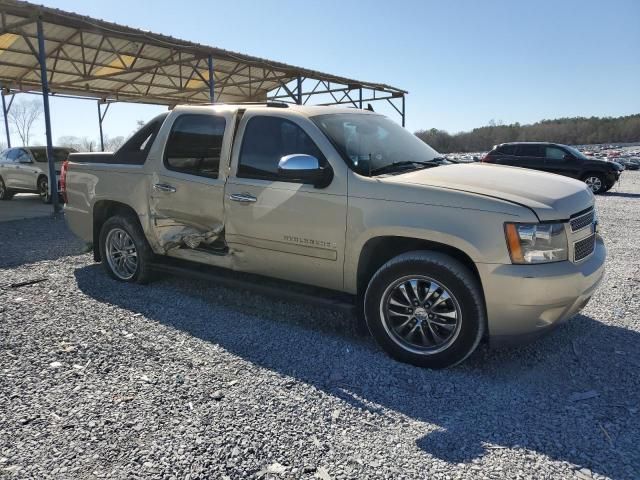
25, 160
568, 157
304, 168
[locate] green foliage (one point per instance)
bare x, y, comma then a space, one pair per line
570, 131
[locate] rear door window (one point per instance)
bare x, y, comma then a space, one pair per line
266, 140
527, 150
554, 153
195, 144
23, 156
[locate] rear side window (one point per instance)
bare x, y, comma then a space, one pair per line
194, 145
506, 149
135, 150
268, 139
529, 151
59, 154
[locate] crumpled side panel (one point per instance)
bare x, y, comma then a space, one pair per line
172, 234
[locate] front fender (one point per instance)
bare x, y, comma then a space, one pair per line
477, 233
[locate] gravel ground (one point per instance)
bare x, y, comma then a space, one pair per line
183, 379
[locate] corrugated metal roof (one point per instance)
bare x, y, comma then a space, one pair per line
96, 58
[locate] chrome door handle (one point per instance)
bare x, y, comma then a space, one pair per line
163, 187
243, 198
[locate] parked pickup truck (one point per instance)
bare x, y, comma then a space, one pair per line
438, 256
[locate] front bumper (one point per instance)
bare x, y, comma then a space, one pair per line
525, 301
613, 177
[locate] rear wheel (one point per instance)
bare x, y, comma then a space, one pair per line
425, 308
5, 193
595, 182
43, 190
125, 253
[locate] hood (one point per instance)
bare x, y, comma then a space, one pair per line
551, 197
604, 164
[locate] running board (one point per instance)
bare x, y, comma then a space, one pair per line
267, 286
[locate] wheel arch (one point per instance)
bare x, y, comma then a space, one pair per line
379, 250
102, 211
592, 172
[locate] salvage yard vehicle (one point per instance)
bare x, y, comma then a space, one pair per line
25, 170
599, 175
436, 256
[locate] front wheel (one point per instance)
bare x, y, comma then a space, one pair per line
124, 250
595, 182
425, 308
5, 193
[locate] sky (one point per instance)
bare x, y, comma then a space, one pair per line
463, 62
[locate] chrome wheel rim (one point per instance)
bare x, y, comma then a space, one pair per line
121, 254
420, 314
594, 183
43, 188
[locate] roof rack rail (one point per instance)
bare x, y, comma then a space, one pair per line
278, 104
267, 103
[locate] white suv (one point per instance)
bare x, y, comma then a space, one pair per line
25, 170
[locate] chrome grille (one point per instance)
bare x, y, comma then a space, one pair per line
582, 221
584, 248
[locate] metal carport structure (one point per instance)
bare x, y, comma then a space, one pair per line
62, 53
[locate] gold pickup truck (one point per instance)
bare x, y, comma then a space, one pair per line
436, 256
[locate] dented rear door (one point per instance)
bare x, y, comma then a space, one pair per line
186, 204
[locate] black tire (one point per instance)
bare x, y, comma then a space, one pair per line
607, 188
596, 182
5, 193
467, 302
144, 254
43, 190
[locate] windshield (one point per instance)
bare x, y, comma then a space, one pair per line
577, 153
371, 143
40, 154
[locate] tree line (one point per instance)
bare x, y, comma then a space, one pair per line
24, 115
570, 131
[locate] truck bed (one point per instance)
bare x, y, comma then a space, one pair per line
109, 158
91, 180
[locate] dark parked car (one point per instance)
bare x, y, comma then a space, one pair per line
560, 159
629, 163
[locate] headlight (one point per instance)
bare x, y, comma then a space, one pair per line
536, 242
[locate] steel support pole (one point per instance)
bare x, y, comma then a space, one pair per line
403, 110
101, 116
42, 59
299, 91
5, 112
360, 98
100, 124
211, 79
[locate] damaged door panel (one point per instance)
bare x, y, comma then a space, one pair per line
173, 234
186, 194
